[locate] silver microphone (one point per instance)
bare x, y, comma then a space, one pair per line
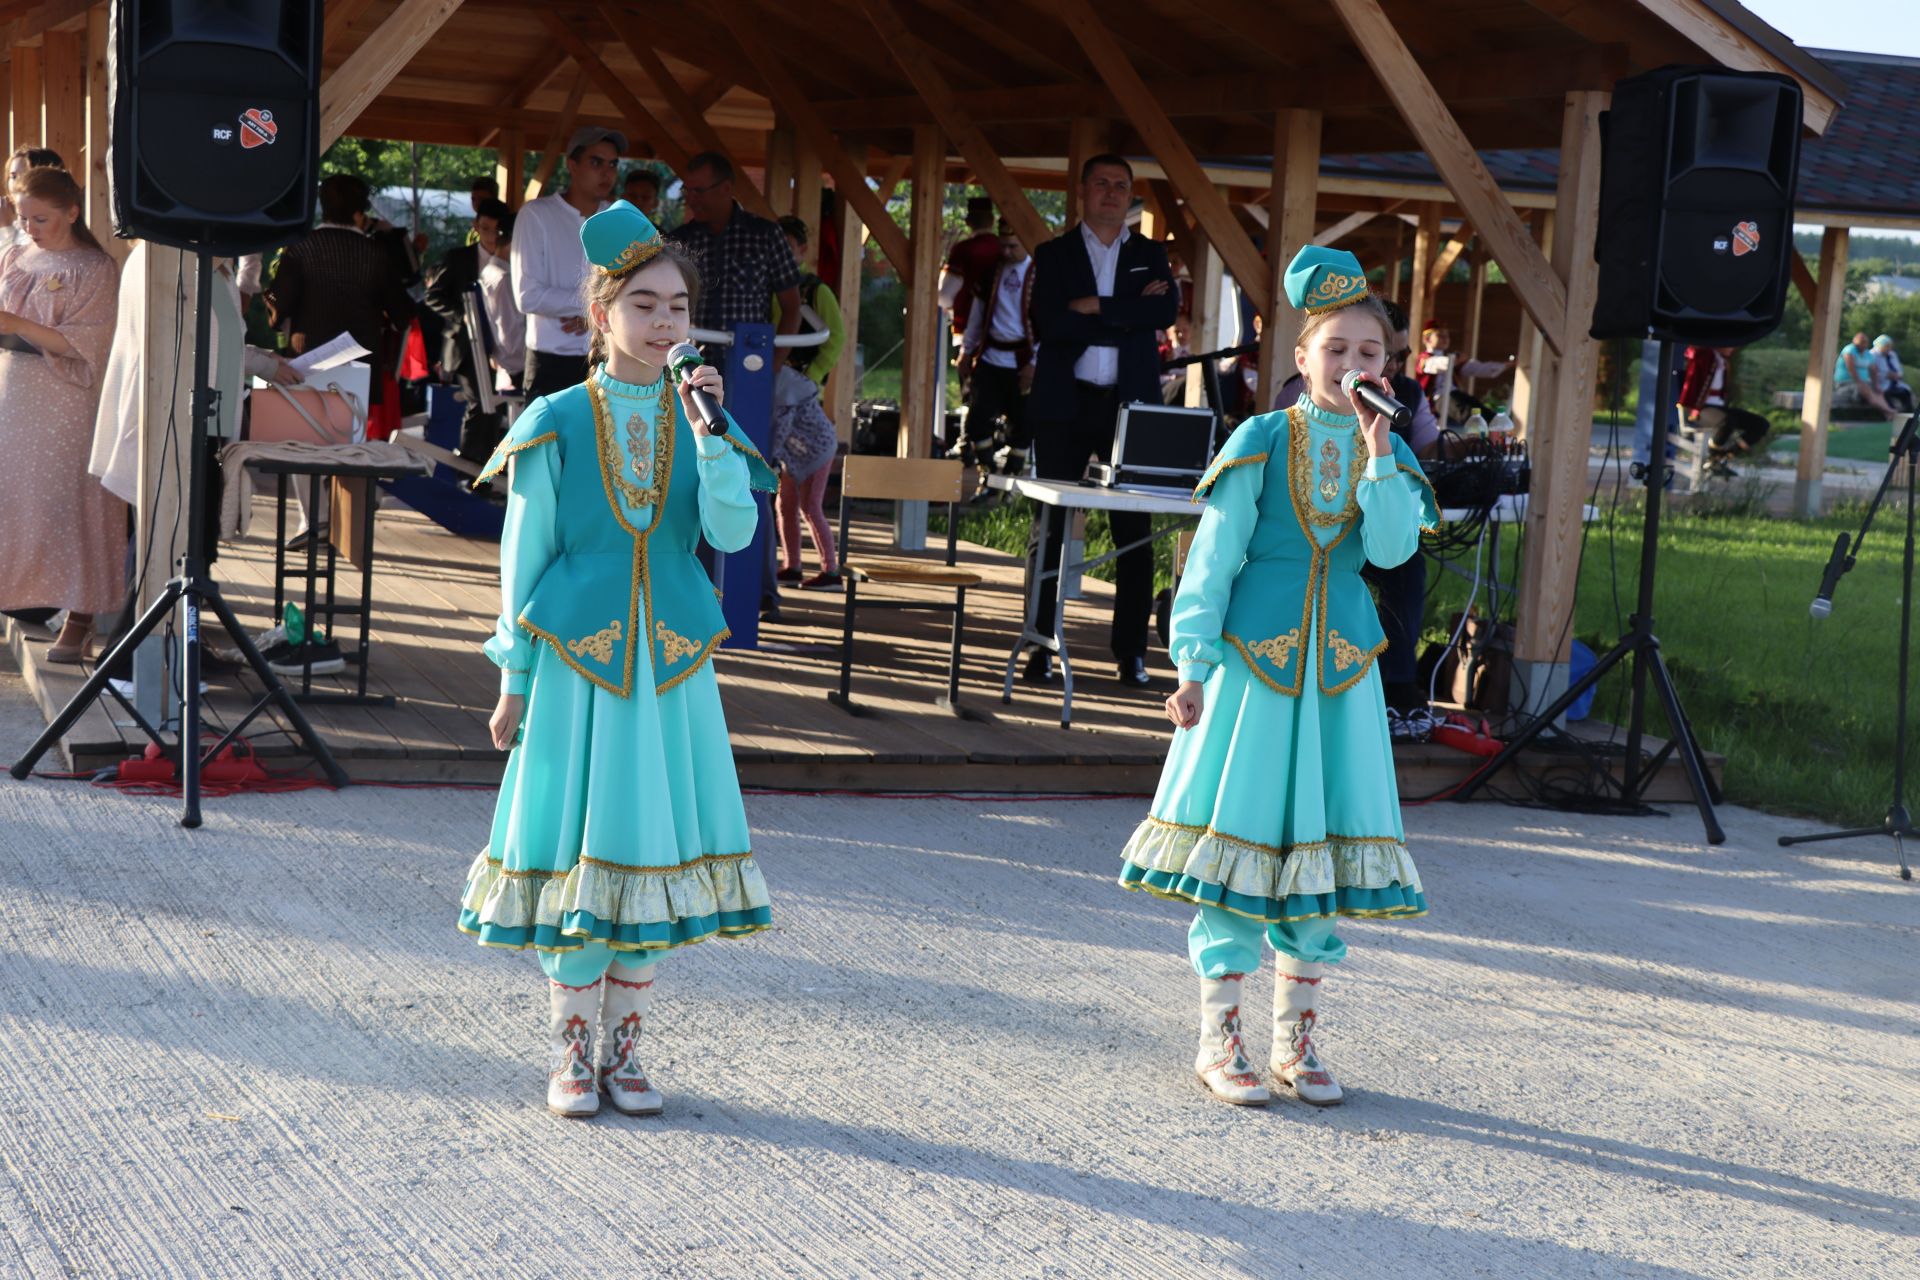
682, 359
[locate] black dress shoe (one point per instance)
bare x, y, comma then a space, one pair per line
1040, 669
1133, 671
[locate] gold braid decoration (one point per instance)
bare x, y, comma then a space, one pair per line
1300, 475
1278, 649
614, 457
599, 644
676, 646
634, 255
1328, 295
1345, 652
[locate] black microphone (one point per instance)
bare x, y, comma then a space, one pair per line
1837, 564
1375, 397
683, 358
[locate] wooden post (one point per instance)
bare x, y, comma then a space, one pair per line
356, 82
510, 169
63, 70
924, 365
1086, 137
1550, 569
806, 198
556, 144
1530, 366
1476, 305
1393, 263
1426, 242
1816, 406
1290, 205
846, 290
28, 131
1206, 270
99, 207
6, 110
780, 170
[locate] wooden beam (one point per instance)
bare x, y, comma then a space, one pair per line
358, 81
1476, 309
1449, 254
953, 120
99, 122
1816, 405
1335, 232
848, 178
1426, 242
807, 175
1550, 565
28, 131
63, 69
556, 141
1393, 263
840, 389
1087, 137
1179, 226
1291, 201
510, 167
639, 119
692, 114
36, 20
1726, 45
340, 17
779, 169
1166, 144
1540, 290
1803, 280
1205, 275
924, 360
709, 93
6, 109
1531, 370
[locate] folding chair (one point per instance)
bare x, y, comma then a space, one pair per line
905, 480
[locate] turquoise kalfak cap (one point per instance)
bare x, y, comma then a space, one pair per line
619, 238
1321, 279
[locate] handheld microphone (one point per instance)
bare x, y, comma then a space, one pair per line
1375, 398
1837, 564
682, 359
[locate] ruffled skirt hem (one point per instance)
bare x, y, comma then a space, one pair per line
1362, 876
628, 908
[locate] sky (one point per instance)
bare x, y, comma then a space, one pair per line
1821, 24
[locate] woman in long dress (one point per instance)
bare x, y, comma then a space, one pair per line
1277, 810
65, 536
619, 834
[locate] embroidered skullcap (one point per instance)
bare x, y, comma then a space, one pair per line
1321, 279
619, 238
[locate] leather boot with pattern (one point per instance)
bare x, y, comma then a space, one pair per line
1294, 1059
621, 1077
570, 1016
1222, 1061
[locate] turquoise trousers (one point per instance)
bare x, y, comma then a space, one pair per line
588, 965
1221, 942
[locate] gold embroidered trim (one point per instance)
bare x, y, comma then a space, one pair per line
1299, 476
1278, 650
1220, 468
698, 662
1345, 651
746, 446
1165, 895
1421, 476
1259, 671
1329, 294
674, 645
599, 645
534, 874
637, 254
1278, 850
503, 452
613, 458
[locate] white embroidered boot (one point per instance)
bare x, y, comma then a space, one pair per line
1295, 1062
621, 1076
1222, 1061
570, 1016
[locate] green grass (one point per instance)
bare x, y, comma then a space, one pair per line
1007, 525
884, 384
1860, 441
1803, 710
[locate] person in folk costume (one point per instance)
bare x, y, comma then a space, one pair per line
619, 833
1277, 810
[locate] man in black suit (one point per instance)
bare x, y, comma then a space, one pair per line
462, 357
1101, 296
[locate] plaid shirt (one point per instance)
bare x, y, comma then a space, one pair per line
741, 269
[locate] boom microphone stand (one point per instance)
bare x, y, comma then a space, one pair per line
192, 590
1899, 820
1644, 648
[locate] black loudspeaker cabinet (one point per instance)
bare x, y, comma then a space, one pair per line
215, 139
1697, 175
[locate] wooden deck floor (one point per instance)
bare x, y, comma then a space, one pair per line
436, 595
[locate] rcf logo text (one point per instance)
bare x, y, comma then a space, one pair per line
1744, 240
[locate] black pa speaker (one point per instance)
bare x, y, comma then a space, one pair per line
216, 121
1697, 177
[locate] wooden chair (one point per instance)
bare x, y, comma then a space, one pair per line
905, 480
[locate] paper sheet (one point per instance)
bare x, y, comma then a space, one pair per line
338, 351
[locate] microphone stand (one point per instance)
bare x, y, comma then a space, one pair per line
1899, 820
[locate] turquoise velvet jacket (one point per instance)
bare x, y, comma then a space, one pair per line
1294, 507
589, 559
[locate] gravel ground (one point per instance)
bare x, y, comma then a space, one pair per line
261, 1049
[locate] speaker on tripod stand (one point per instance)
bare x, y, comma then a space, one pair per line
1697, 175
214, 148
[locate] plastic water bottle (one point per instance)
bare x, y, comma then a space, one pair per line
1502, 427
1475, 425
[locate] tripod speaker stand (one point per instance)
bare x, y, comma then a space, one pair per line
1899, 820
1643, 647
193, 590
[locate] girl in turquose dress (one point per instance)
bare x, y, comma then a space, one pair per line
1277, 810
619, 834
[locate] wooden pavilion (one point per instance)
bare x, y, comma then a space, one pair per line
862, 95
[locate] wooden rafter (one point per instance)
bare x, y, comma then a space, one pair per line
847, 176
358, 81
557, 138
957, 125
1539, 287
1164, 141
1448, 255
340, 17
664, 144
1803, 281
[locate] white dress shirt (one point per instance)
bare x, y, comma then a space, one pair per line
1006, 324
503, 314
1101, 365
550, 274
